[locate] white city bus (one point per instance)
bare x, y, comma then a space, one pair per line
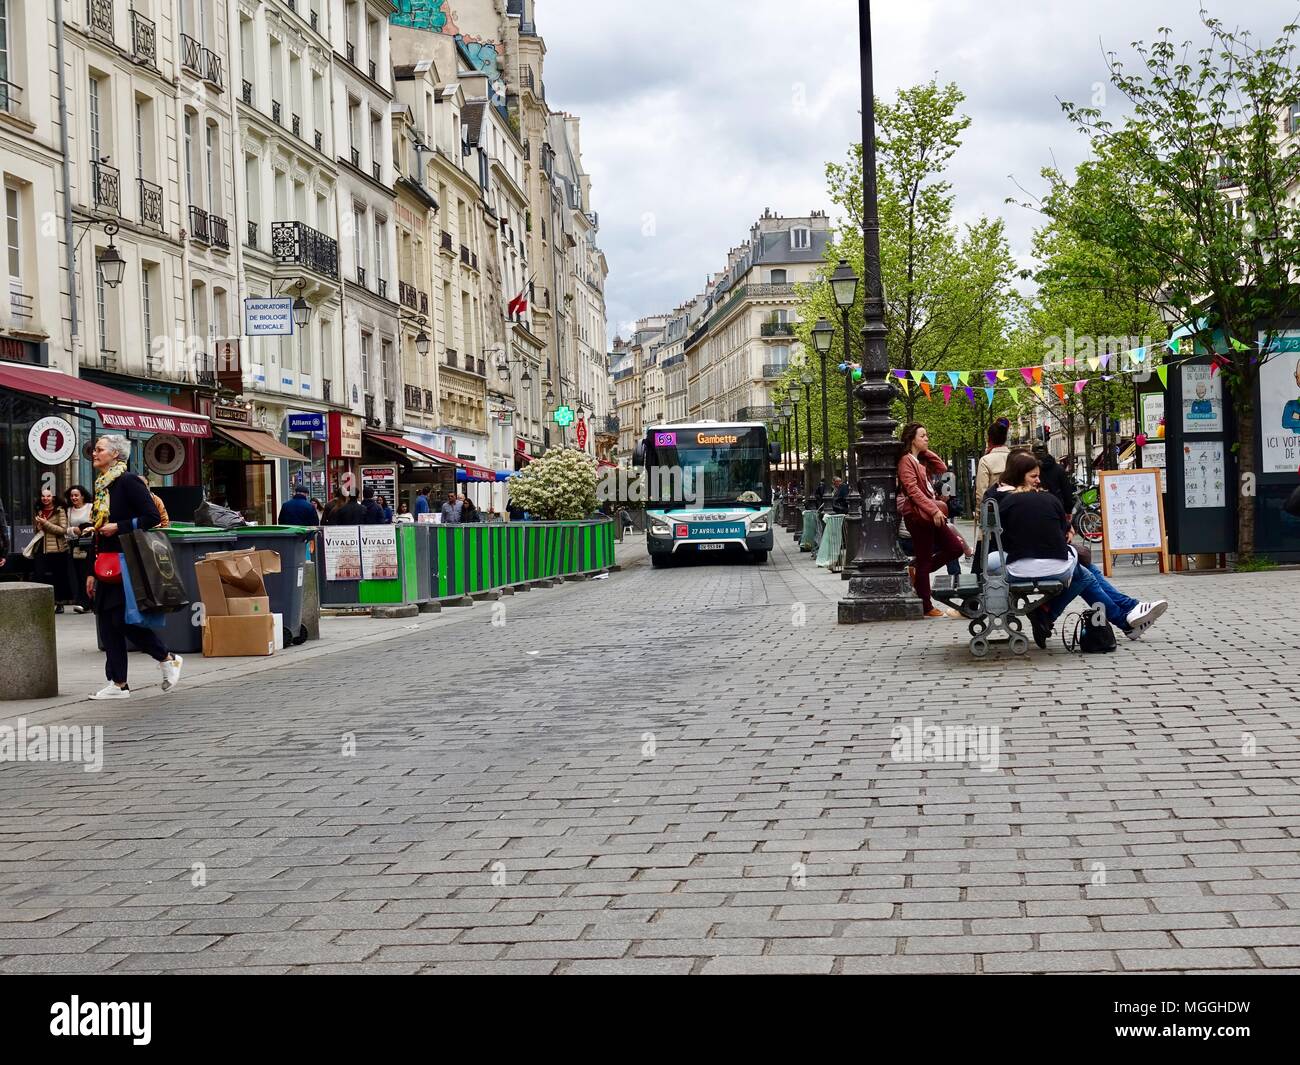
708, 489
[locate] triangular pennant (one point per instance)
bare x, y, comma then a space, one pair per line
989, 393
955, 377
1174, 345
1038, 375
1002, 375
1093, 363
965, 376
1015, 395
947, 394
1139, 354
900, 374
970, 394
991, 376
1078, 385
1069, 361
1105, 362
1237, 345
925, 387
1107, 376
931, 376
1162, 372
1028, 374
917, 375
1060, 392
907, 386
1038, 391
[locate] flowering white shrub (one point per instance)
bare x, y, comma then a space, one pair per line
560, 486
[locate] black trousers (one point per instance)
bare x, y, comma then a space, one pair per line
110, 619
81, 569
52, 568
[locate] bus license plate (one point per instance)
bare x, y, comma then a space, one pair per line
709, 547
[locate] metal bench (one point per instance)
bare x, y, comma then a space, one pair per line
994, 603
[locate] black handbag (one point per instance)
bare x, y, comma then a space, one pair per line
1088, 638
151, 565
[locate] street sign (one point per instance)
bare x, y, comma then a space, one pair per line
306, 422
563, 416
582, 432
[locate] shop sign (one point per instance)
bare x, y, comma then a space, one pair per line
270, 316
164, 454
306, 422
52, 441
344, 436
582, 432
24, 351
232, 414
177, 425
383, 479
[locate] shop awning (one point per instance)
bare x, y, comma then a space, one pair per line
262, 442
475, 472
117, 410
424, 450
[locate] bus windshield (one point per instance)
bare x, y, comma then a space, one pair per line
732, 459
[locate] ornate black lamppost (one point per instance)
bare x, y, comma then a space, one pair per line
823, 335
807, 380
878, 586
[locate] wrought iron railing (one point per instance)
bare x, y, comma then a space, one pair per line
199, 225
774, 369
354, 154
191, 55
246, 92
294, 242
424, 303
406, 295
295, 124
275, 111
212, 69
381, 286
451, 357
108, 189
220, 232
144, 39
99, 17
372, 69
375, 170
776, 329
464, 254
252, 234
350, 50
151, 203
361, 276
327, 390
11, 96
446, 241
370, 407
318, 140
390, 412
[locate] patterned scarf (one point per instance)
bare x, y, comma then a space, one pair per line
99, 511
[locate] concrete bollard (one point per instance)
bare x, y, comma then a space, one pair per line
310, 602
404, 610
29, 666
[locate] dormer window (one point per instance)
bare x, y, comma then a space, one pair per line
800, 237
778, 277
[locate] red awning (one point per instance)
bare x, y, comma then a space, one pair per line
117, 410
473, 469
403, 444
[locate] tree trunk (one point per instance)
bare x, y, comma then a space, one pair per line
1243, 404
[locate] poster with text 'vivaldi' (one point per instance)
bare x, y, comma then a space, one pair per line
379, 552
342, 552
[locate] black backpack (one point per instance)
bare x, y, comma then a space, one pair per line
1088, 638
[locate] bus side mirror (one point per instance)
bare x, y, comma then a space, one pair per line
774, 452
638, 454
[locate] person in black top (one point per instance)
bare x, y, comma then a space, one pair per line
349, 512
122, 504
1035, 538
1053, 477
373, 511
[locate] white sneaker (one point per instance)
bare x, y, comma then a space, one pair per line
112, 691
171, 671
1143, 616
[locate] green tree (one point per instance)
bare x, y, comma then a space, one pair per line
1194, 183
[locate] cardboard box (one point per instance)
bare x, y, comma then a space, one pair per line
238, 637
226, 577
248, 604
279, 631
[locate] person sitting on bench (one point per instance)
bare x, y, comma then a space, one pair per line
1035, 528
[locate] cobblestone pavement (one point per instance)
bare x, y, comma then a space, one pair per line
666, 772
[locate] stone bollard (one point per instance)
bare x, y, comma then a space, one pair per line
311, 602
29, 666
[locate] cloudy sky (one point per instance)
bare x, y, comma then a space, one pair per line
698, 114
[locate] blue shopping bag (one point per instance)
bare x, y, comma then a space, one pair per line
134, 615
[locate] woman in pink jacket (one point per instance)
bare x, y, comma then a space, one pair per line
935, 542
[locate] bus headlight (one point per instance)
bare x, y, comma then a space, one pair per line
660, 528
759, 526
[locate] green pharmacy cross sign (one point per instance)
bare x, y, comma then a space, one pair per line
563, 416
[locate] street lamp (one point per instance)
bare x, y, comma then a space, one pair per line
794, 402
111, 264
844, 284
878, 586
823, 334
787, 412
422, 342
807, 380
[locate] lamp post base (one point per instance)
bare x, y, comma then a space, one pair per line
882, 596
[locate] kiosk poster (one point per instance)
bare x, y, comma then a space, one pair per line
342, 552
1279, 414
1131, 511
1153, 415
1204, 482
1202, 400
378, 552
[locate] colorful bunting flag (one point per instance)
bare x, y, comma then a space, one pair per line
1028, 374
1060, 392
1015, 395
1174, 345
965, 376
970, 394
1078, 385
1002, 375
1105, 362
947, 394
931, 376
1162, 372
954, 377
991, 376
900, 373
1069, 361
917, 375
907, 386
925, 387
1038, 375
1038, 391
1237, 345
989, 393
1139, 354
1093, 363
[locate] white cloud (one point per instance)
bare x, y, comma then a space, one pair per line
701, 113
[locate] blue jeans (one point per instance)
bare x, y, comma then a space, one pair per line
1087, 584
